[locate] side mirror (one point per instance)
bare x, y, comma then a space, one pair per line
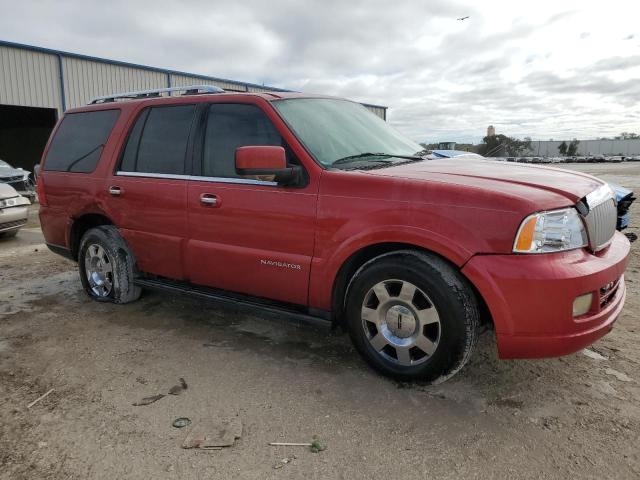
265, 160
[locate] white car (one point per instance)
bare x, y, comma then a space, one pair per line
14, 210
18, 178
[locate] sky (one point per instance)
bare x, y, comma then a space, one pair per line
542, 69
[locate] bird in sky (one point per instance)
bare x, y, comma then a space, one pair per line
463, 18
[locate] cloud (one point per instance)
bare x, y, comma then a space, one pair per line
543, 70
614, 64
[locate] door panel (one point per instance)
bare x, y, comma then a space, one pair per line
150, 213
257, 240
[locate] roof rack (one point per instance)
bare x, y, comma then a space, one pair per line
157, 92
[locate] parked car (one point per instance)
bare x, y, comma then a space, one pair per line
18, 178
624, 199
434, 154
13, 211
314, 206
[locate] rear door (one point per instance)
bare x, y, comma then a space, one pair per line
148, 191
257, 238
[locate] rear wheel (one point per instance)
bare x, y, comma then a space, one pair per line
412, 316
106, 266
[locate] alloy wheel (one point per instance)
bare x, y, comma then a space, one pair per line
400, 322
99, 269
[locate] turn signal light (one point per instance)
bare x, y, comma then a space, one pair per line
527, 231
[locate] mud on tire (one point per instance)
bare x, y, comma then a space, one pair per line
107, 266
412, 316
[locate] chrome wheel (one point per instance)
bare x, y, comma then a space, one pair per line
400, 322
99, 269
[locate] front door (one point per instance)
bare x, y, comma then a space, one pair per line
247, 235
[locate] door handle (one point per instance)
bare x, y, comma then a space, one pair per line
115, 191
209, 200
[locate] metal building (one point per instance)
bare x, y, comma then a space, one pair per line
549, 148
38, 84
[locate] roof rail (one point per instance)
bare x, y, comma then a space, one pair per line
157, 92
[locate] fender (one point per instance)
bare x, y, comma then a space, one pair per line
91, 208
325, 270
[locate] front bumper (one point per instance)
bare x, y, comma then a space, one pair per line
13, 218
531, 297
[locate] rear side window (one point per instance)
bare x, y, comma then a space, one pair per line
158, 141
79, 141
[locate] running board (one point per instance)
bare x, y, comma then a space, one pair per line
237, 300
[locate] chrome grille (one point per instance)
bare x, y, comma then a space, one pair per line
608, 292
15, 223
11, 179
601, 223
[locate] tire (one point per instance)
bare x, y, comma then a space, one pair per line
107, 266
412, 316
9, 234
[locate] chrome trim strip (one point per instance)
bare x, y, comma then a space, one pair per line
600, 195
197, 178
152, 175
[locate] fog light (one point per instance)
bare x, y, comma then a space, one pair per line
582, 304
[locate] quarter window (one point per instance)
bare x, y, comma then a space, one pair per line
79, 141
158, 141
230, 126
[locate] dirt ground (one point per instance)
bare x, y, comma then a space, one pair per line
572, 417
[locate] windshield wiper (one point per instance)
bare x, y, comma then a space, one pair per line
367, 155
73, 164
351, 158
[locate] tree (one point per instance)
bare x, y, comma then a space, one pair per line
627, 136
562, 148
573, 147
500, 145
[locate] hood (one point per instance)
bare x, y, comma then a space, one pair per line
7, 191
7, 171
514, 178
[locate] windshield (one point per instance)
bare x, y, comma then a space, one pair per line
343, 132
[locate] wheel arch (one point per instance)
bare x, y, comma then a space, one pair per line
81, 225
361, 257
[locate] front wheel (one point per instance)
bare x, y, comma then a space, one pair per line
106, 266
9, 234
412, 316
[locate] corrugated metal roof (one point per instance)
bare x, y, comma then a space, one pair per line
246, 86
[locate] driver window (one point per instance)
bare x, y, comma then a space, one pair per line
230, 126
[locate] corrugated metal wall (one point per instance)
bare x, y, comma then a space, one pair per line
30, 76
185, 80
379, 111
549, 148
85, 80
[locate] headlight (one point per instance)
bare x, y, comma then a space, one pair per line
9, 202
14, 202
552, 231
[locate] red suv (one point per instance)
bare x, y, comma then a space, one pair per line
314, 206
